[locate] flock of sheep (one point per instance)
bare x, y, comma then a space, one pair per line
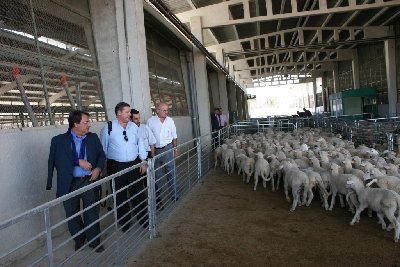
309, 160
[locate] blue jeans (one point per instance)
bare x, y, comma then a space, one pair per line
165, 168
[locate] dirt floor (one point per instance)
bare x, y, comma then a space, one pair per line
225, 223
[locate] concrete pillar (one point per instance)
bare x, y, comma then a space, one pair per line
232, 101
213, 80
314, 85
219, 55
121, 53
239, 103
325, 96
390, 60
335, 75
223, 94
356, 69
201, 85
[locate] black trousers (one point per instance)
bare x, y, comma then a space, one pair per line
73, 206
135, 189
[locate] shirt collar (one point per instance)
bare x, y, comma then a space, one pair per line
77, 137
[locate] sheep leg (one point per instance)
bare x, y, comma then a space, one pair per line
390, 215
295, 193
310, 197
305, 193
285, 186
356, 217
341, 200
273, 184
381, 220
334, 192
255, 181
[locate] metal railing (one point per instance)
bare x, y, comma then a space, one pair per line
52, 245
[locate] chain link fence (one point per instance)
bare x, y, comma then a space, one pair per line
47, 64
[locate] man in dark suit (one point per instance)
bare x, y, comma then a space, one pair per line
215, 125
78, 157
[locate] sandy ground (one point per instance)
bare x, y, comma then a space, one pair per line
225, 223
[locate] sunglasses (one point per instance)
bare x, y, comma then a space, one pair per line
125, 136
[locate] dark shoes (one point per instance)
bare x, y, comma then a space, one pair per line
79, 243
126, 227
99, 249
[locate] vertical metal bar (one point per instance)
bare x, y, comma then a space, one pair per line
46, 94
78, 95
198, 149
151, 192
390, 141
219, 137
188, 169
49, 241
117, 245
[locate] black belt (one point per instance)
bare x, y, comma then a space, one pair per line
83, 177
163, 146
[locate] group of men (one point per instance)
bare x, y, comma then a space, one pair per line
80, 157
218, 120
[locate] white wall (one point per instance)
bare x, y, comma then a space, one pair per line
183, 129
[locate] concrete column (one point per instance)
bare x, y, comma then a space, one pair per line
239, 103
335, 75
118, 29
137, 58
200, 70
390, 60
232, 101
325, 96
213, 80
356, 69
219, 55
223, 94
314, 85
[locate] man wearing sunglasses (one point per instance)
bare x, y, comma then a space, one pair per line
124, 148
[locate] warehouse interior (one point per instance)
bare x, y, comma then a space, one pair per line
194, 55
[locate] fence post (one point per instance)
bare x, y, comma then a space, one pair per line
389, 137
117, 245
151, 193
198, 150
48, 236
219, 137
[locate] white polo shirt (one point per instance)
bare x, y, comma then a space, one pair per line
147, 135
163, 132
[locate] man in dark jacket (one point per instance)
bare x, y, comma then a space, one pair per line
78, 157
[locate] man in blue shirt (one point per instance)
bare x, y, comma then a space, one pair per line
124, 148
78, 158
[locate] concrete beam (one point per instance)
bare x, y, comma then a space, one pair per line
218, 15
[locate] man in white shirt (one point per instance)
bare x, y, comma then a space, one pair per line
124, 148
147, 135
223, 118
164, 130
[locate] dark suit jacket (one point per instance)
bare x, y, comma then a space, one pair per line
214, 122
61, 158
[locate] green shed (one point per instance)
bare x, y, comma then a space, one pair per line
354, 101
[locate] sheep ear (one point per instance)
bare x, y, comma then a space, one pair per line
350, 182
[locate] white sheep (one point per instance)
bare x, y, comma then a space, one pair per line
296, 180
315, 180
262, 169
247, 167
382, 201
338, 185
217, 156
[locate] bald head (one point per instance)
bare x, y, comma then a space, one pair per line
162, 110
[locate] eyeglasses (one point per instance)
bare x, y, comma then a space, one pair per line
125, 136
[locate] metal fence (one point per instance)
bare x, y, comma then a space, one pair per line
52, 245
48, 64
359, 128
